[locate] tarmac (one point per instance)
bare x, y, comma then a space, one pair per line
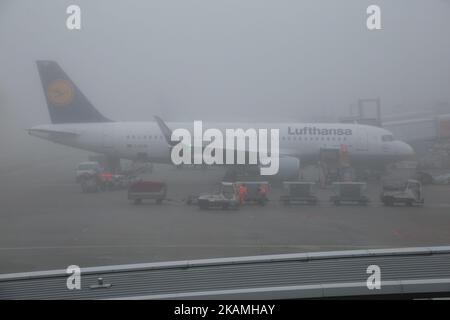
46, 222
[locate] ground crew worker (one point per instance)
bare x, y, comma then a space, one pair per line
263, 191
242, 193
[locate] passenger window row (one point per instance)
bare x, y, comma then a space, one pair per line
133, 137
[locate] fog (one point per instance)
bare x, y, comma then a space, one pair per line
227, 60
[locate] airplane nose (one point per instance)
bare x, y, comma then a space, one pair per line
406, 150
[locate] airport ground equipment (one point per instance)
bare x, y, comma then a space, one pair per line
254, 194
89, 182
225, 198
405, 273
147, 190
349, 192
87, 167
299, 192
407, 192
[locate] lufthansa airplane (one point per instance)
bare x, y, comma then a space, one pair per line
77, 123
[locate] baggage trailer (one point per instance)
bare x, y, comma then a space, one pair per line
192, 199
299, 192
349, 192
225, 198
408, 193
257, 191
147, 190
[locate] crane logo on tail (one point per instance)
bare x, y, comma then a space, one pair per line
60, 93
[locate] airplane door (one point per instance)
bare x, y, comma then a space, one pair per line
362, 140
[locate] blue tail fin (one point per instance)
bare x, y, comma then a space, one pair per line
66, 103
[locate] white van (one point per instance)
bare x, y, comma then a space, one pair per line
87, 167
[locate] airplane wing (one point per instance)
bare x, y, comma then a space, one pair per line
55, 134
167, 133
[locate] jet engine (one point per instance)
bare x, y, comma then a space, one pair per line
289, 169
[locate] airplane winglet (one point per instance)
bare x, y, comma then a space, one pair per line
167, 133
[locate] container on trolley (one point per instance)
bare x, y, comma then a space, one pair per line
256, 191
299, 192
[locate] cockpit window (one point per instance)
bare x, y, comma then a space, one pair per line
387, 137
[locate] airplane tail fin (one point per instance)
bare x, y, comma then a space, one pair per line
65, 102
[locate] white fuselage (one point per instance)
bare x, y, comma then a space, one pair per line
134, 140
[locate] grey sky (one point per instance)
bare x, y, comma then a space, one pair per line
224, 60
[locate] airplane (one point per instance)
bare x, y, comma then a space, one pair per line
75, 122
